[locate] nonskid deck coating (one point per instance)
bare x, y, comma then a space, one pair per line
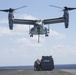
32, 72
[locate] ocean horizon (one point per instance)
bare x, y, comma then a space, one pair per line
63, 66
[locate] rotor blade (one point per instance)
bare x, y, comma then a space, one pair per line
11, 10
71, 8
20, 7
66, 8
6, 10
56, 6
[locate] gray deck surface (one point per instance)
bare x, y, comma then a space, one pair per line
32, 72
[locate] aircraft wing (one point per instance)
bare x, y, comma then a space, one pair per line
55, 20
24, 21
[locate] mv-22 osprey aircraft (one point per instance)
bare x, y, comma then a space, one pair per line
38, 25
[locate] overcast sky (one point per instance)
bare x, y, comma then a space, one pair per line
16, 46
